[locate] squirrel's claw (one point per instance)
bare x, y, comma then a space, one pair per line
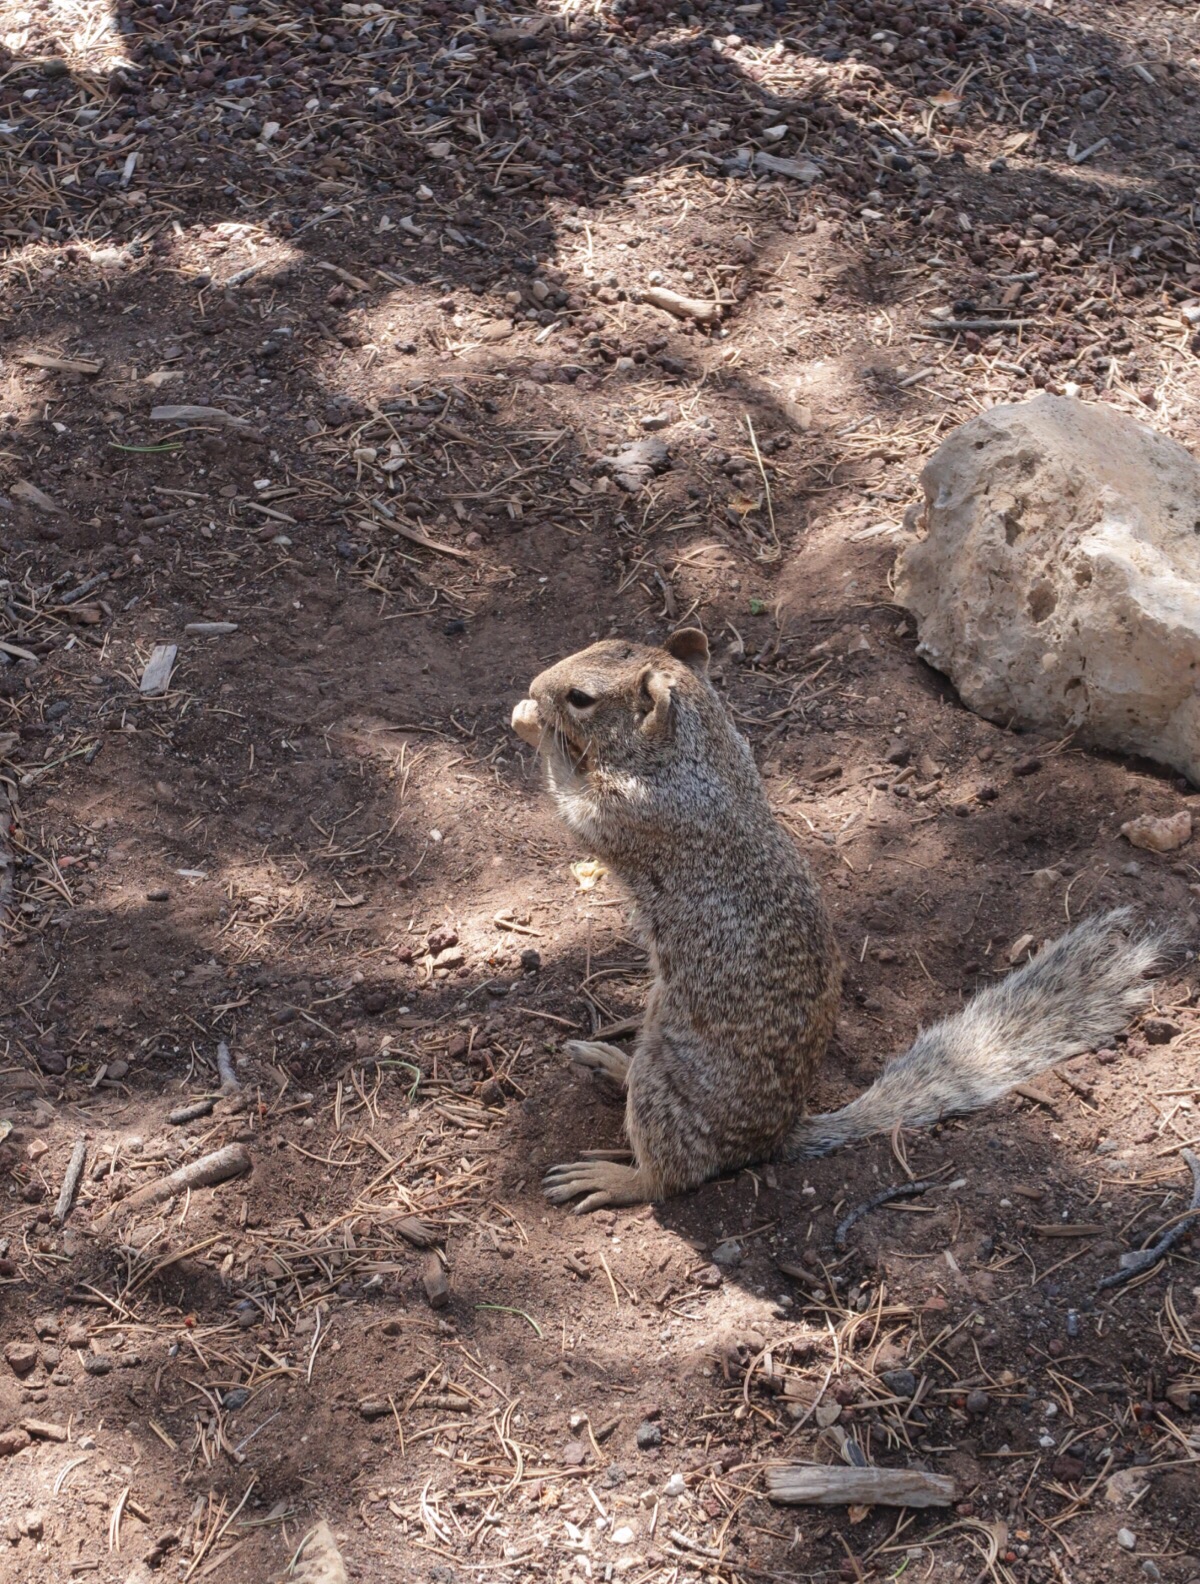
599, 1057
604, 1183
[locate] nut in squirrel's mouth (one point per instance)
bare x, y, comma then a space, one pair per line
550, 737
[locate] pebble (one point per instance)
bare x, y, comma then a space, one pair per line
728, 1254
574, 1453
648, 1435
978, 1402
45, 1326
708, 1276
22, 1357
97, 1364
623, 1535
1126, 1539
675, 1486
900, 1382
53, 1063
1159, 1030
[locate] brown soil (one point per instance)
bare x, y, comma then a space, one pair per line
324, 846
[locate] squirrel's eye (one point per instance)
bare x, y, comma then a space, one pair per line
578, 699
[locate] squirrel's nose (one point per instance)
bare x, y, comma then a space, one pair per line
527, 722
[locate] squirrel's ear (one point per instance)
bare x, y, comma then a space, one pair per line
691, 646
654, 700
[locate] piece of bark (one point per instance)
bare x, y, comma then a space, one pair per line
701, 309
819, 1485
186, 413
43, 1430
22, 490
66, 1197
415, 1231
435, 1281
207, 1172
156, 678
192, 1112
61, 365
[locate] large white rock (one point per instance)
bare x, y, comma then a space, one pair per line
1058, 580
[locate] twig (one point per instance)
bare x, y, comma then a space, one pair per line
66, 1197
1133, 1264
229, 1078
908, 1190
207, 1172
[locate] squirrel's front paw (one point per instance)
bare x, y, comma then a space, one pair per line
604, 1183
527, 723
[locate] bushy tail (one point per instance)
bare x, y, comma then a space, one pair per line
1075, 994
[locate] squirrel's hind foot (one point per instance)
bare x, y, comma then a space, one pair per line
604, 1183
601, 1058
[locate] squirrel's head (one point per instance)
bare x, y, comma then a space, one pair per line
631, 729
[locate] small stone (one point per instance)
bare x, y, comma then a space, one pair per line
623, 1535
675, 1486
1161, 835
899, 752
1152, 1570
118, 1070
53, 1063
1066, 1467
574, 1453
531, 960
1027, 765
46, 1326
978, 1402
652, 422
97, 1364
708, 1276
900, 1382
159, 894
1159, 1030
12, 1441
77, 1336
728, 1254
22, 1357
1126, 1539
31, 1524
648, 1435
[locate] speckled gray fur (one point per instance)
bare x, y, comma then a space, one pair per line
653, 777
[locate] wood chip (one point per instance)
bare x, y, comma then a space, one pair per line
816, 1485
156, 678
22, 490
188, 414
435, 1281
702, 310
61, 365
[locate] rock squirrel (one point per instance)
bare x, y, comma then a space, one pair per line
649, 771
